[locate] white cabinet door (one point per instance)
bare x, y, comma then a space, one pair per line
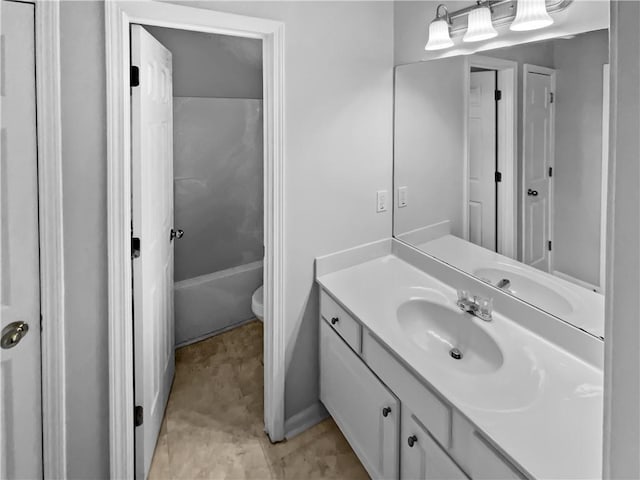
367, 413
421, 457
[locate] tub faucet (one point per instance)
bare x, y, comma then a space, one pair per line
475, 305
504, 284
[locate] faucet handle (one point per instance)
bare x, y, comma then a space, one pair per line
485, 308
464, 296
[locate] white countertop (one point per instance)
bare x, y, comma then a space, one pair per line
544, 406
587, 306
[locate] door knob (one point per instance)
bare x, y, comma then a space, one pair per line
412, 440
13, 333
532, 193
176, 234
386, 411
334, 320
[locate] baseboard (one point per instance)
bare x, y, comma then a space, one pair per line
213, 334
352, 256
426, 234
577, 281
304, 420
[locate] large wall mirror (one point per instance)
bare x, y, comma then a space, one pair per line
500, 169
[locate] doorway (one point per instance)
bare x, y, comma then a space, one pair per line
489, 168
197, 185
119, 18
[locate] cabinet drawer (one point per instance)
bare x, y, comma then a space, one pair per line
367, 413
486, 461
421, 457
341, 321
432, 412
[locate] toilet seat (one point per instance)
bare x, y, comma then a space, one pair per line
257, 303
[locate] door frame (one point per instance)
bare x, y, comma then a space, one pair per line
604, 183
119, 14
507, 150
528, 68
51, 239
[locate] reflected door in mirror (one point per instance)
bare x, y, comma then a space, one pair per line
538, 159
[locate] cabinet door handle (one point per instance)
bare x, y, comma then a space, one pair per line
334, 320
386, 411
412, 440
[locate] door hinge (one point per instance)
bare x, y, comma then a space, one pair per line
135, 247
498, 95
134, 76
549, 245
138, 415
550, 171
552, 97
498, 177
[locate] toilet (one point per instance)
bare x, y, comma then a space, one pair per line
257, 303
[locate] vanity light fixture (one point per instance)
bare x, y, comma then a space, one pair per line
479, 21
439, 37
480, 26
531, 15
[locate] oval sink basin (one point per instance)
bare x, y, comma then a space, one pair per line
528, 290
446, 334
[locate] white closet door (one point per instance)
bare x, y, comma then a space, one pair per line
152, 187
538, 144
20, 391
482, 159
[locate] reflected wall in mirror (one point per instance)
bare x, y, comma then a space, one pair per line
500, 169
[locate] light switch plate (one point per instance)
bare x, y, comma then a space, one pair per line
381, 205
403, 196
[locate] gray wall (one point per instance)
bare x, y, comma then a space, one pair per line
209, 65
578, 154
84, 172
218, 163
338, 110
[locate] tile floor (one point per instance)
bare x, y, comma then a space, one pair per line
213, 425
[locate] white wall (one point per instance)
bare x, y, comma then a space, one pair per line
622, 327
338, 109
578, 156
429, 143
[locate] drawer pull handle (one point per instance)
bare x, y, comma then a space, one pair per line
334, 320
386, 411
412, 440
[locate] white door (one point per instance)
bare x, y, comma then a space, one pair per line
537, 159
482, 159
20, 394
152, 202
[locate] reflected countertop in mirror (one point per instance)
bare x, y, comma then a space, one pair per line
500, 169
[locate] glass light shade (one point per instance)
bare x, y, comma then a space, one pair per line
531, 15
480, 26
438, 35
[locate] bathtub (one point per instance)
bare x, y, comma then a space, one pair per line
215, 302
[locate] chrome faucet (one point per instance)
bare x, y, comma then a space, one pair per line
475, 305
504, 284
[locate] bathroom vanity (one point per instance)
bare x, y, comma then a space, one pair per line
509, 402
